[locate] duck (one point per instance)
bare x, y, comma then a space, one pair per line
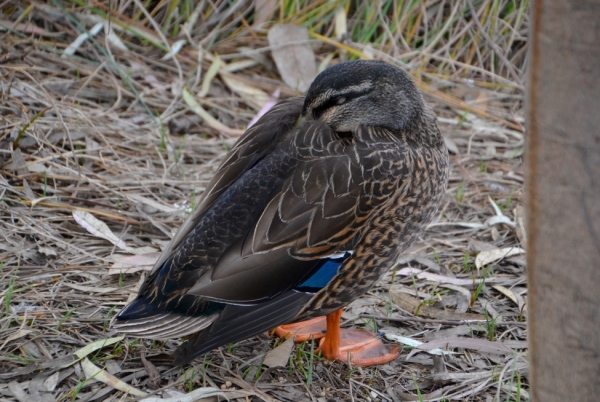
307, 211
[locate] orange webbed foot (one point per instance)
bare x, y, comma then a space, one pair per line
363, 348
304, 330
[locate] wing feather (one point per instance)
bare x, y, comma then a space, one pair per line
326, 200
252, 146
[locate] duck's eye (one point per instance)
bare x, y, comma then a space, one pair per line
340, 100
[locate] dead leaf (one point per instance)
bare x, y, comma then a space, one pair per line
280, 356
92, 371
519, 213
47, 251
486, 257
211, 121
90, 289
19, 334
293, 55
52, 381
98, 228
18, 391
480, 345
114, 39
18, 163
153, 373
205, 394
152, 203
458, 289
451, 145
76, 44
133, 263
263, 10
414, 343
94, 346
517, 299
252, 96
175, 48
415, 306
441, 278
211, 73
341, 23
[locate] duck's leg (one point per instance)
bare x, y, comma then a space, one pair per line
363, 348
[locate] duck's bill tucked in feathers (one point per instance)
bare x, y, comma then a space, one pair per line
257, 252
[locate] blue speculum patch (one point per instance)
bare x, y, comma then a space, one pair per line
324, 274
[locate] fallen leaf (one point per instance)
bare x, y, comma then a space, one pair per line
252, 96
153, 373
451, 145
441, 278
210, 74
519, 213
486, 257
98, 228
114, 39
341, 23
94, 346
175, 48
152, 203
263, 10
480, 345
90, 289
133, 263
415, 306
18, 392
203, 395
47, 251
414, 343
92, 371
293, 55
458, 289
517, 299
52, 381
211, 121
19, 334
76, 44
280, 356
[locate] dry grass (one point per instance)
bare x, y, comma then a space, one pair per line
106, 131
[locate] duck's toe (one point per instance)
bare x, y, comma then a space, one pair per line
362, 348
304, 330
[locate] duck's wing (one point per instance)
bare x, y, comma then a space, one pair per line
321, 204
327, 200
318, 209
251, 147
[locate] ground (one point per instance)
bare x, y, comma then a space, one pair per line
105, 147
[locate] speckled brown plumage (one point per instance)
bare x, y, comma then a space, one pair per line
364, 172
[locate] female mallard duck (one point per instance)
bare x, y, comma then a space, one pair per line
310, 207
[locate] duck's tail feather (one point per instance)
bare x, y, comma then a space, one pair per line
238, 322
143, 319
163, 326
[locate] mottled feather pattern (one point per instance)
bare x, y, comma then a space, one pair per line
406, 178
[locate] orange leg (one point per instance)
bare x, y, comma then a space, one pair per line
361, 347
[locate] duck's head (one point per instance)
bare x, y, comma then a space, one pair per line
368, 92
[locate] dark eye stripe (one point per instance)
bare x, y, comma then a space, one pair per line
333, 101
